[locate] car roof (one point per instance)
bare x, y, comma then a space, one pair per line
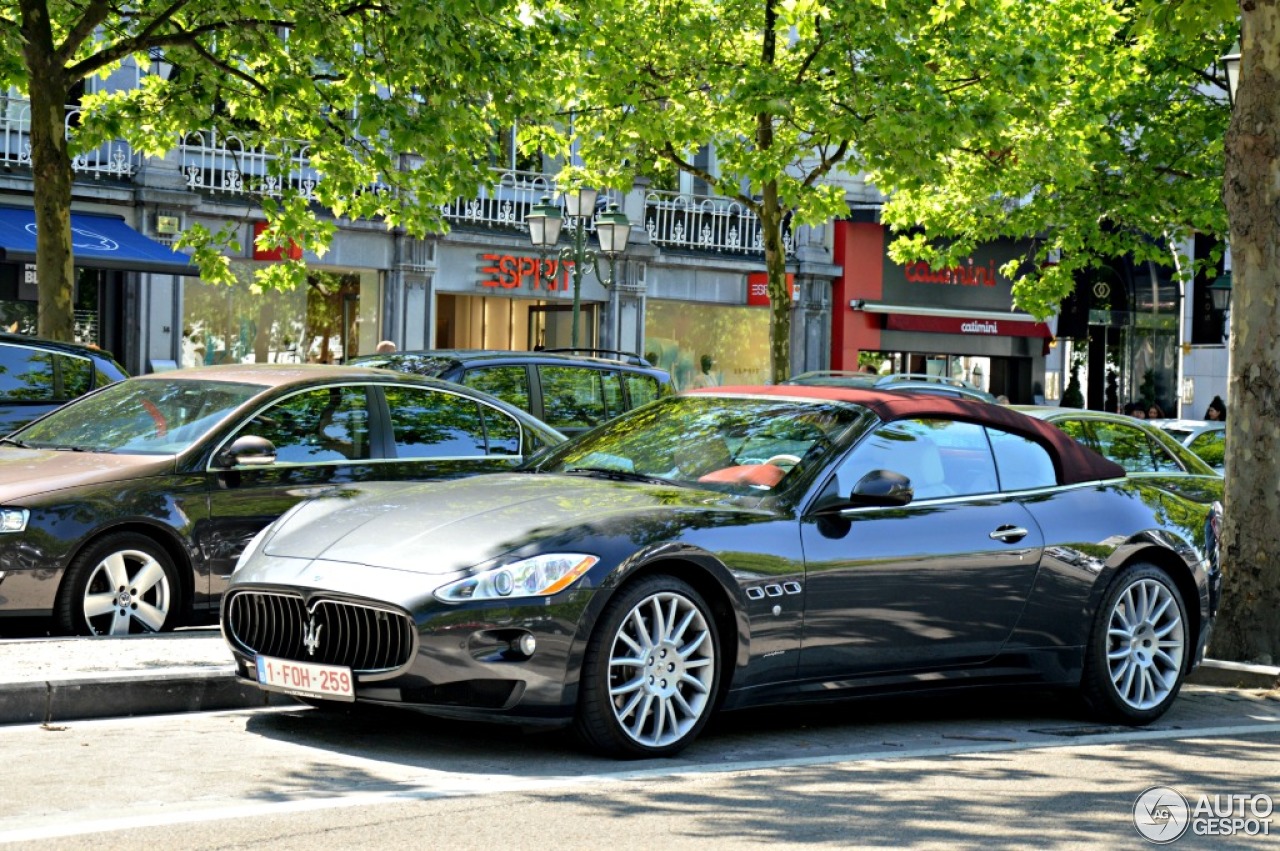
473, 356
892, 381
276, 374
58, 346
1075, 462
1190, 425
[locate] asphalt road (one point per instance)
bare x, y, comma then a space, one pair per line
1003, 771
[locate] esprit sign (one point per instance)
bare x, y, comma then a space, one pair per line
965, 275
519, 272
758, 288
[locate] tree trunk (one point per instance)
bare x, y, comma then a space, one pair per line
1249, 626
51, 174
775, 262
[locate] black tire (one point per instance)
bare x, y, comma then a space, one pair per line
1136, 658
123, 584
678, 674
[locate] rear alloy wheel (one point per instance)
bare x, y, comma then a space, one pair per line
650, 672
124, 584
1136, 657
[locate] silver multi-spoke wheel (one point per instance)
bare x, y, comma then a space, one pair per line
1146, 644
1138, 654
661, 669
651, 671
122, 585
127, 592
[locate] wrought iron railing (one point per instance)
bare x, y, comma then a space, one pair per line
704, 223
214, 162
110, 159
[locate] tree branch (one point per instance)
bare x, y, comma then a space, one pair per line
228, 68
95, 13
669, 153
827, 164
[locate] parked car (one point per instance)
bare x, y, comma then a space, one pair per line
125, 510
1139, 446
37, 376
1206, 438
571, 391
940, 384
739, 546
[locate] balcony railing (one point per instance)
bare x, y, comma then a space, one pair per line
110, 159
704, 223
212, 162
216, 163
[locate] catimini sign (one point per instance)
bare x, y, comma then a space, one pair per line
964, 275
965, 325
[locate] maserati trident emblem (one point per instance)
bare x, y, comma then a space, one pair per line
311, 636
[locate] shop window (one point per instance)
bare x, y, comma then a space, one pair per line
435, 424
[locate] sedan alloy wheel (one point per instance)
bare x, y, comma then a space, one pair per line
123, 585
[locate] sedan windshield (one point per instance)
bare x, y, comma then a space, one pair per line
732, 444
152, 417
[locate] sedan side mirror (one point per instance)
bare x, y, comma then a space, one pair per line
247, 451
882, 488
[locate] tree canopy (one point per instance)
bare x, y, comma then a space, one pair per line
397, 101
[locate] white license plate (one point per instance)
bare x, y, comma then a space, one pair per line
332, 682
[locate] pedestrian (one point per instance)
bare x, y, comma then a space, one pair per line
386, 347
1217, 410
1135, 410
1155, 412
705, 378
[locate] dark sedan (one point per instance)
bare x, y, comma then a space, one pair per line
125, 510
739, 546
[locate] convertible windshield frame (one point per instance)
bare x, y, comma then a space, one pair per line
162, 416
739, 445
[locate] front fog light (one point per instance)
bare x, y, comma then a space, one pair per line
527, 644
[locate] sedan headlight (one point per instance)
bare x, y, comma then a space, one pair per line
13, 519
539, 576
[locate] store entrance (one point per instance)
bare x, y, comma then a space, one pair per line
1000, 376
510, 324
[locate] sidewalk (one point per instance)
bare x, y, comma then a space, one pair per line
53, 680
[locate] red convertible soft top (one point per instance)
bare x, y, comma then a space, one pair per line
1075, 462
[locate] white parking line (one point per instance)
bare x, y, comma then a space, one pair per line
444, 784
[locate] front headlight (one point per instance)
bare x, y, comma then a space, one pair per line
539, 576
13, 519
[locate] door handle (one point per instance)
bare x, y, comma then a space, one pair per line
1008, 534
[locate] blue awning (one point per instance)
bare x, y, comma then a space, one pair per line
97, 242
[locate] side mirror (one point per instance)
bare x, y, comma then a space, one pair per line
247, 451
882, 488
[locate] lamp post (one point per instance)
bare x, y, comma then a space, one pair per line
612, 231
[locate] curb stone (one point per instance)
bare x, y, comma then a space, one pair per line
1215, 672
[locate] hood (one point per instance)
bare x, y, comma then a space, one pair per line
441, 528
27, 472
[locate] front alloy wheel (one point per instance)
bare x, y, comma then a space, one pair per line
1137, 656
123, 585
650, 672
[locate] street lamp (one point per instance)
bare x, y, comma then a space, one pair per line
1232, 63
1220, 292
612, 230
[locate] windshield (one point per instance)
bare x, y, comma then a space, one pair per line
152, 417
736, 445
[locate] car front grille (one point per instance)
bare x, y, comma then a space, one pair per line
368, 639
